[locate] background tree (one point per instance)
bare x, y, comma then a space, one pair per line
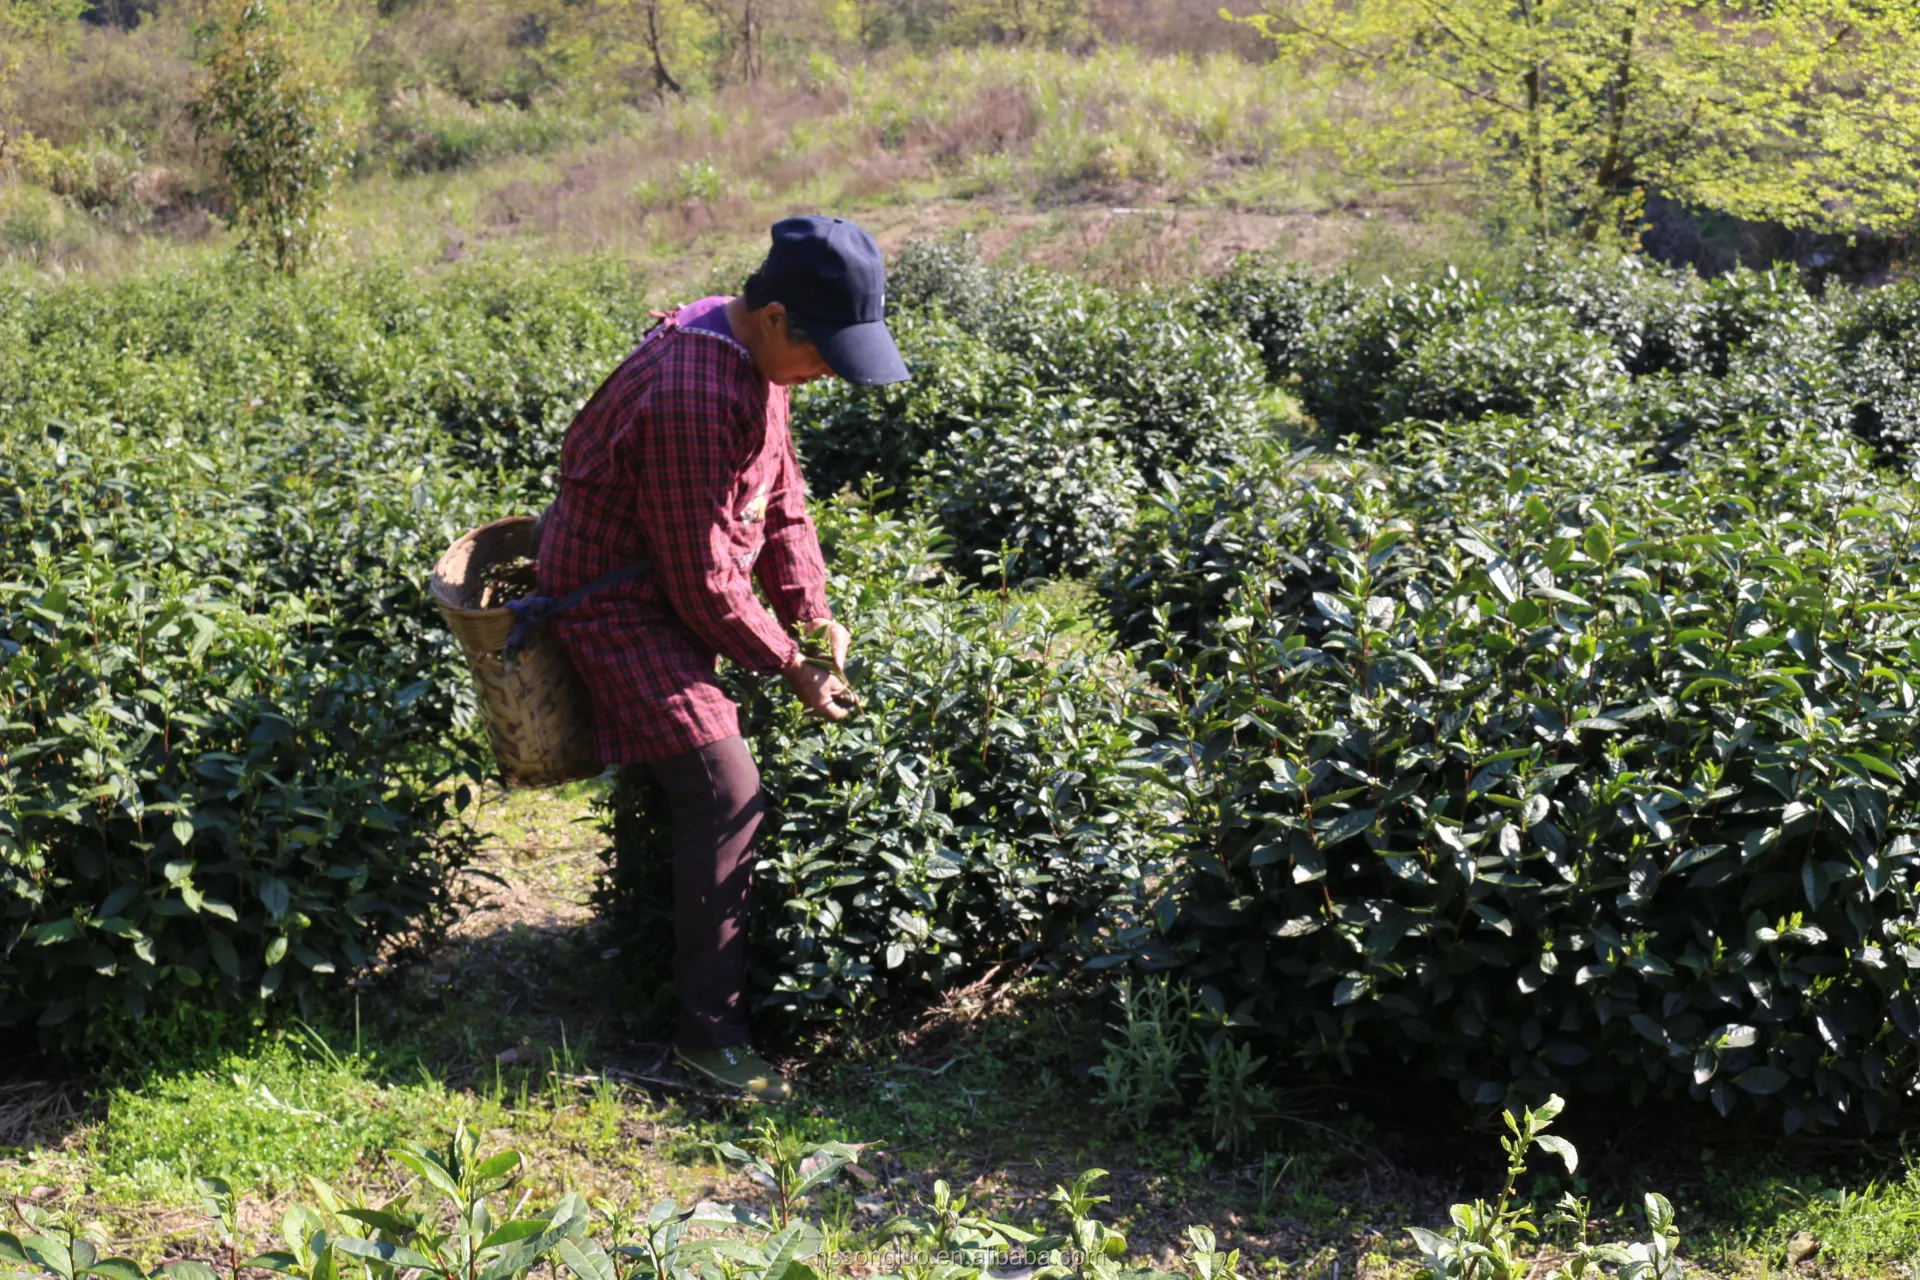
1018, 21
740, 52
1800, 111
654, 29
278, 124
598, 52
27, 26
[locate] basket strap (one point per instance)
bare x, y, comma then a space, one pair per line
532, 613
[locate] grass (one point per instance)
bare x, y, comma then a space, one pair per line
1034, 148
1118, 165
1864, 1214
264, 1117
1860, 1230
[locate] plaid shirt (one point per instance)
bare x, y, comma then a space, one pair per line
682, 457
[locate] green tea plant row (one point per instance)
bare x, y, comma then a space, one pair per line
232, 712
1041, 409
1614, 787
1575, 745
1558, 734
456, 1223
1564, 731
228, 710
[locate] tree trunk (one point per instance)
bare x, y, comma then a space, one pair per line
663, 80
1535, 79
1615, 176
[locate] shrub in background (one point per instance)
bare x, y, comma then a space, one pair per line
1362, 336
1500, 360
1789, 380
1205, 538
1652, 314
1038, 402
498, 354
429, 130
1699, 356
845, 433
1275, 303
943, 276
1878, 338
1038, 490
1752, 310
1178, 392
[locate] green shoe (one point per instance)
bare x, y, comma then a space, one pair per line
739, 1070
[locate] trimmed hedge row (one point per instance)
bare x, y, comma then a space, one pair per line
1040, 408
1574, 772
231, 717
1559, 731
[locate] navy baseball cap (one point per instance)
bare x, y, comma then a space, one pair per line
829, 274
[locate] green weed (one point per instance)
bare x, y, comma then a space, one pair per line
290, 1107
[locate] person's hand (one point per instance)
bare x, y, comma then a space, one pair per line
839, 639
819, 690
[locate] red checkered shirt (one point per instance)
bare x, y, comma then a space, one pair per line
682, 457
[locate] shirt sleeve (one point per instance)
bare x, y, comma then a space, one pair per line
686, 481
791, 568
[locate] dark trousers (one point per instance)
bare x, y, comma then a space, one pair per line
713, 794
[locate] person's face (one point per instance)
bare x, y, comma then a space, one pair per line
781, 360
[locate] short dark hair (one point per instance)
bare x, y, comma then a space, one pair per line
758, 294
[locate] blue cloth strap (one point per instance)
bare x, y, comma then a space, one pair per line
533, 612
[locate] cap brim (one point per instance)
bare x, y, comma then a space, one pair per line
863, 354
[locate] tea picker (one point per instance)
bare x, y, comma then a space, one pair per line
678, 490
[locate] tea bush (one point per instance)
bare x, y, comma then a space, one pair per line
846, 433
1879, 342
218, 781
1651, 314
943, 276
1500, 360
1359, 339
1694, 354
230, 708
1580, 773
1274, 302
1559, 734
981, 808
1173, 574
498, 356
1044, 480
1160, 389
1178, 391
1748, 309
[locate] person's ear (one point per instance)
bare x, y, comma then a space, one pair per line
776, 316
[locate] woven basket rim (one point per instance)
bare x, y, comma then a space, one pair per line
445, 592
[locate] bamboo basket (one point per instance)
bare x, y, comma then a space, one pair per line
535, 705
